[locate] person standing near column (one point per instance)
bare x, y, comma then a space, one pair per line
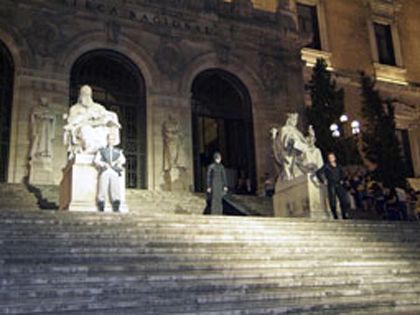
216, 184
110, 161
335, 176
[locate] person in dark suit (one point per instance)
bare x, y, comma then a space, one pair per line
334, 174
216, 184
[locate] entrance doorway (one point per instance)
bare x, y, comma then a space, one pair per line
118, 85
222, 121
7, 71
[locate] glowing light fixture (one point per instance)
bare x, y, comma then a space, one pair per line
344, 118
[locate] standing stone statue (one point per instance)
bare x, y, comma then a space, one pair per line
296, 153
172, 144
42, 131
42, 122
216, 184
88, 124
173, 155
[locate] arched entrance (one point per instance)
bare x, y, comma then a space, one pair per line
222, 121
118, 85
7, 71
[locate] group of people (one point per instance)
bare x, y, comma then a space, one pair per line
366, 194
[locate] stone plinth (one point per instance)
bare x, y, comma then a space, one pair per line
41, 171
78, 189
301, 197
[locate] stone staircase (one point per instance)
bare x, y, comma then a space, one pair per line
146, 202
143, 202
65, 263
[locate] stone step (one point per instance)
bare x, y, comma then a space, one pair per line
157, 265
223, 249
68, 251
63, 215
174, 303
180, 221
130, 271
353, 290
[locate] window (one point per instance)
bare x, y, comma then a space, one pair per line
308, 23
384, 43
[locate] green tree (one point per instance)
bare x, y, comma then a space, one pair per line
326, 109
380, 143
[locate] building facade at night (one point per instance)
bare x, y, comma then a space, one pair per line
221, 72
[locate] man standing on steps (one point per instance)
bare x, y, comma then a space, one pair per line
334, 174
216, 184
110, 161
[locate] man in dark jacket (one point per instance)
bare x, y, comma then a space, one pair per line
216, 184
335, 176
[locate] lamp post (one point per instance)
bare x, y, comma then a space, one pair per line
338, 131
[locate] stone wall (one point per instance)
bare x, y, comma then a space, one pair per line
170, 43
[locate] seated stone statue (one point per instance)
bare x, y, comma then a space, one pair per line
88, 124
295, 153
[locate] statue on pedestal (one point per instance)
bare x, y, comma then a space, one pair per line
92, 130
88, 124
298, 193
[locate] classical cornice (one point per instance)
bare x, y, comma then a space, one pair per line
384, 8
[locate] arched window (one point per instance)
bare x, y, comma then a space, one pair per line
7, 70
222, 121
118, 85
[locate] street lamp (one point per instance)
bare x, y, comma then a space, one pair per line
355, 127
335, 130
338, 130
348, 142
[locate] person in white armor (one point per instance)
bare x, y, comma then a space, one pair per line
110, 161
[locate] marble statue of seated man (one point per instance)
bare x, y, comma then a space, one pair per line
88, 124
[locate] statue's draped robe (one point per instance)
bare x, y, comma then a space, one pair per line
171, 145
88, 127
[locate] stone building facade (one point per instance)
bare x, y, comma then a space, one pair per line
223, 71
380, 38
217, 73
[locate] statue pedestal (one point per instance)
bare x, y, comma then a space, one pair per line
300, 197
40, 171
78, 189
